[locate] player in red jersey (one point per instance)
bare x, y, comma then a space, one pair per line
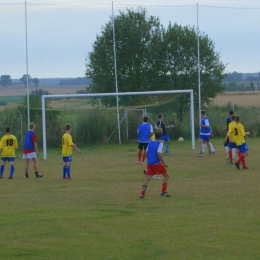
30, 151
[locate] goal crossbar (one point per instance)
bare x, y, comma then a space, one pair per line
188, 91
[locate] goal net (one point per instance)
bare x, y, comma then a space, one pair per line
113, 118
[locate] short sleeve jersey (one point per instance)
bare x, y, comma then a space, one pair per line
67, 145
229, 120
230, 131
8, 144
238, 134
144, 132
162, 125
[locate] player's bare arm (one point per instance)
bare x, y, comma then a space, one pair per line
76, 148
161, 159
36, 148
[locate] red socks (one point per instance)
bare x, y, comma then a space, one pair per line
241, 159
144, 156
230, 156
139, 155
164, 187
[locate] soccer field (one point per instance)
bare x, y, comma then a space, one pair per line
213, 212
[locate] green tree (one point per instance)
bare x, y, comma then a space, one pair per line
134, 34
181, 64
35, 82
5, 80
151, 57
23, 79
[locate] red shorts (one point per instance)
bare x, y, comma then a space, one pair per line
153, 169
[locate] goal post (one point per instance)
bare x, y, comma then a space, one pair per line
44, 97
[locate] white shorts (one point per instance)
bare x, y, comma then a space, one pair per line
29, 155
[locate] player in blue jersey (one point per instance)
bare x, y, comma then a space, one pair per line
144, 132
205, 131
155, 165
212, 150
165, 136
30, 151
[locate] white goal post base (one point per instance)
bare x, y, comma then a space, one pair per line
188, 91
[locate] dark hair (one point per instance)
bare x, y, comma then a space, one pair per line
233, 117
203, 112
67, 127
145, 119
158, 135
8, 130
160, 116
231, 112
237, 118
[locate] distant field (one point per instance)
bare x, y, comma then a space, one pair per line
16, 90
15, 93
245, 98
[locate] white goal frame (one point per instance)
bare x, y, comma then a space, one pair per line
188, 91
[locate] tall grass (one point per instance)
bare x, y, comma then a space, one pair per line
98, 125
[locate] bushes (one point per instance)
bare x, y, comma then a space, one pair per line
99, 125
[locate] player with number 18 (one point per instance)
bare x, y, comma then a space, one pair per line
8, 145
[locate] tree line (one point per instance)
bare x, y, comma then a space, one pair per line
6, 80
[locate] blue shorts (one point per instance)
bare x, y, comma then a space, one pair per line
232, 145
67, 158
165, 137
204, 137
9, 159
242, 148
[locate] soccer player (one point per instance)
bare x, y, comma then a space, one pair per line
155, 165
229, 139
228, 121
67, 149
30, 151
165, 136
212, 150
238, 136
156, 176
8, 145
144, 132
205, 131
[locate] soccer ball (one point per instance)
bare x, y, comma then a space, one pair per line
180, 139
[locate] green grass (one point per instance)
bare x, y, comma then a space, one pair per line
213, 212
12, 99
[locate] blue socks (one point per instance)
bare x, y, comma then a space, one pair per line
66, 171
167, 147
2, 170
11, 170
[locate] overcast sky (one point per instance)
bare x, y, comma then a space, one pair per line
60, 33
